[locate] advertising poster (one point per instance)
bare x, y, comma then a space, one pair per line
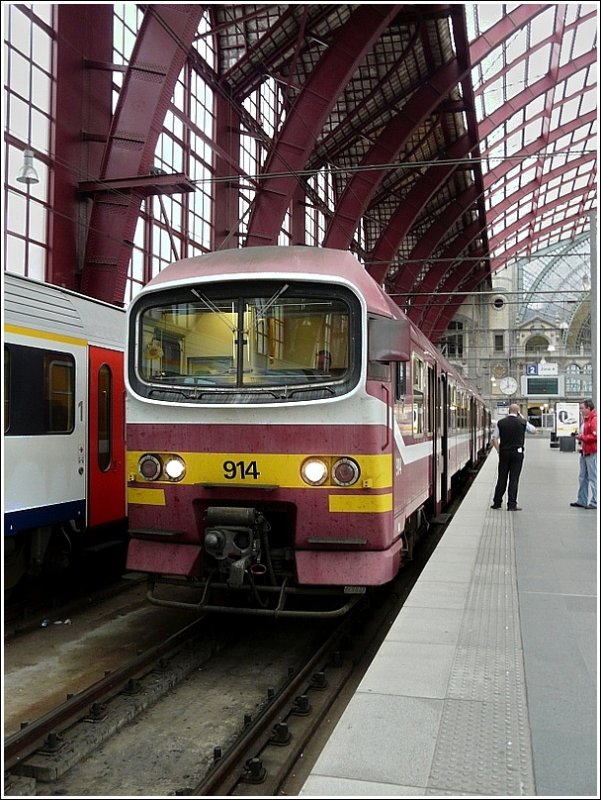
568, 418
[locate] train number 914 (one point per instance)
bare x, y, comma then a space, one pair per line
241, 470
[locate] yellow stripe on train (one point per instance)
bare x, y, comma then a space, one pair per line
360, 503
146, 497
263, 469
48, 335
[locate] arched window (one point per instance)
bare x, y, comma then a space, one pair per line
537, 345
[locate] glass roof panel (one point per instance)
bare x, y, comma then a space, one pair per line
546, 133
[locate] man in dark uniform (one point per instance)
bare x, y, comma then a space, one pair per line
508, 441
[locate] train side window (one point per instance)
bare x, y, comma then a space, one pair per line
401, 379
431, 409
105, 407
59, 393
6, 388
453, 408
418, 395
39, 391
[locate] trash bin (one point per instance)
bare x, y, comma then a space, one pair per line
567, 444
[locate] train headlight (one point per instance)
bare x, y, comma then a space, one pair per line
314, 471
175, 468
345, 472
150, 467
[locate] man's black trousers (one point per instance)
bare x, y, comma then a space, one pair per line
510, 466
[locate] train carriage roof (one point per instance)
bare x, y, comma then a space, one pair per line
45, 308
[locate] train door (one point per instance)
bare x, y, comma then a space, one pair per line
444, 438
106, 441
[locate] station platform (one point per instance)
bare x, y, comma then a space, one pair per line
486, 684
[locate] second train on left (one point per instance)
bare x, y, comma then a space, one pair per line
64, 432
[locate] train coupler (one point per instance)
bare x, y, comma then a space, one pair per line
234, 538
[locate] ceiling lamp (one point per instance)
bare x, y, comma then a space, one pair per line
28, 173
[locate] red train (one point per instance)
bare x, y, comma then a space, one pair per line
288, 431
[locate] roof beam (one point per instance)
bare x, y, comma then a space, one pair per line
536, 185
498, 33
439, 270
362, 186
438, 317
525, 246
408, 211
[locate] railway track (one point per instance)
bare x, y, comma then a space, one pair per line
256, 742
47, 735
265, 738
50, 749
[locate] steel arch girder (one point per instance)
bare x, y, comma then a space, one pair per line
356, 196
297, 137
503, 29
484, 46
159, 54
401, 221
425, 316
363, 185
520, 247
450, 284
451, 255
428, 242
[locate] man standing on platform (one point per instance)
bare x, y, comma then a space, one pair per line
508, 440
587, 478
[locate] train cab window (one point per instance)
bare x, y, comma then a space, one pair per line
262, 341
105, 406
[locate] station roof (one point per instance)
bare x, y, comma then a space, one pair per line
458, 138
464, 134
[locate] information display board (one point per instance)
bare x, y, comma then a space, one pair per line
544, 387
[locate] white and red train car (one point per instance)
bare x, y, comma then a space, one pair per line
64, 427
288, 430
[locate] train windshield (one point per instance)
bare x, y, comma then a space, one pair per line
278, 339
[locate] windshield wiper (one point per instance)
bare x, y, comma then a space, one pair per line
214, 309
274, 299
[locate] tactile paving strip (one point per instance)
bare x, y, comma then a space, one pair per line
483, 745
